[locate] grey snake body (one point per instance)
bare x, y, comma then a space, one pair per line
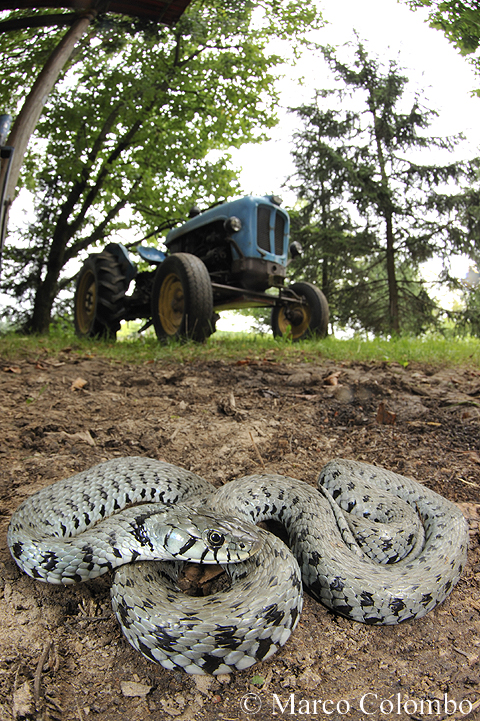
370, 544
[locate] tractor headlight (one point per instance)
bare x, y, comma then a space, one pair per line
296, 250
233, 224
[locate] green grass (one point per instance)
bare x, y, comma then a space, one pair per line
232, 347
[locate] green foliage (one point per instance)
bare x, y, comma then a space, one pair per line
124, 142
459, 20
370, 214
469, 316
245, 348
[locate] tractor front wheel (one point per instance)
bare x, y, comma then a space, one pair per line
182, 299
306, 319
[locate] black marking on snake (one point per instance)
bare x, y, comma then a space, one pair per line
372, 620
191, 542
264, 646
397, 605
204, 553
225, 636
351, 506
337, 584
76, 522
49, 561
296, 580
167, 643
88, 554
122, 610
426, 599
139, 533
147, 603
64, 530
294, 613
344, 610
273, 615
211, 663
17, 549
367, 599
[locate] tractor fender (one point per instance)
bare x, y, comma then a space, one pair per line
121, 254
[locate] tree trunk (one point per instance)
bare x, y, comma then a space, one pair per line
48, 287
392, 279
42, 310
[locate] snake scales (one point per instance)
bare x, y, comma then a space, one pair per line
370, 544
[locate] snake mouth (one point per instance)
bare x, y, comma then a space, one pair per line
248, 549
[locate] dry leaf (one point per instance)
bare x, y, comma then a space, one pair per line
385, 416
473, 456
12, 369
78, 384
332, 379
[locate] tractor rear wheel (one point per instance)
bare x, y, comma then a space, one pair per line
302, 320
99, 302
182, 299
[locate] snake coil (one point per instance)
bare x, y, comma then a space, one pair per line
370, 544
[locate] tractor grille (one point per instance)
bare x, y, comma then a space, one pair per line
279, 233
263, 228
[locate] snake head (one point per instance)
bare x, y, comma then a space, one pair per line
205, 537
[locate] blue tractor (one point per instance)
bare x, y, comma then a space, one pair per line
229, 256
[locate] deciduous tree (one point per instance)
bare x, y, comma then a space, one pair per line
125, 138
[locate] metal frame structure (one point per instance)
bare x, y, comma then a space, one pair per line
166, 12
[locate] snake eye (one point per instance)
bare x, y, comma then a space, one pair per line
215, 539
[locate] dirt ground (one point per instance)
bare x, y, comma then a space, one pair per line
62, 654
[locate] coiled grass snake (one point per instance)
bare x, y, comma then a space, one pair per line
370, 544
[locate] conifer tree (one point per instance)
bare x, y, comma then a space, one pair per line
359, 160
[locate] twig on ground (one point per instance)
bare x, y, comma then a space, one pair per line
257, 451
38, 672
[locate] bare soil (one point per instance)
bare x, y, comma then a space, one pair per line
62, 654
